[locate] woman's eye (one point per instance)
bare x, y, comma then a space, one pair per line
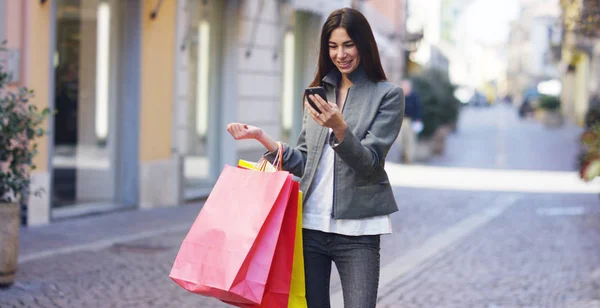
349, 45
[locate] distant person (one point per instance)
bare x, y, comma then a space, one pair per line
592, 116
412, 124
526, 109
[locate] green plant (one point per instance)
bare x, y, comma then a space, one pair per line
20, 124
549, 103
589, 159
592, 115
440, 106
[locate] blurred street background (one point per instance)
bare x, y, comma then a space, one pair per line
497, 189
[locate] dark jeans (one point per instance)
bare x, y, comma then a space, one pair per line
357, 261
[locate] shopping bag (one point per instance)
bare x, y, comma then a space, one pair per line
229, 250
277, 290
261, 165
297, 298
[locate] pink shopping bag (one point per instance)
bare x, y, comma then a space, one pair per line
229, 250
277, 289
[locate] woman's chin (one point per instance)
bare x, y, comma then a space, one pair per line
346, 70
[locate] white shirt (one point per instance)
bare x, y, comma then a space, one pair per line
319, 205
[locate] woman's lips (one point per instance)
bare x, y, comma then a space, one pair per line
345, 65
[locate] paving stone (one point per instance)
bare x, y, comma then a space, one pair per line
521, 259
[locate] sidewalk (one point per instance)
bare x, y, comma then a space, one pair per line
122, 259
101, 231
119, 259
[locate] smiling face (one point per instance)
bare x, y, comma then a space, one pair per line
343, 51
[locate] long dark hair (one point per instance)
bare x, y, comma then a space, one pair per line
360, 32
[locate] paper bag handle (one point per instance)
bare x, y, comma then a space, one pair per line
277, 162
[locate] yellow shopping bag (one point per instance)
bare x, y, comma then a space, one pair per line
262, 165
298, 286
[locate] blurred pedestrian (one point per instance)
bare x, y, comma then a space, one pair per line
340, 156
592, 116
412, 124
526, 109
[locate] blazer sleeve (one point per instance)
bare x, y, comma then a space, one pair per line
367, 155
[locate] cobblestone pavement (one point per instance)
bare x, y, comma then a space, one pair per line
541, 251
495, 138
135, 273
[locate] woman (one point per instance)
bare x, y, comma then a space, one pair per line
340, 157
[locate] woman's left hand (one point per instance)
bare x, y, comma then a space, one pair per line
330, 115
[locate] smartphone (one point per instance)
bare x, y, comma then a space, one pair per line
313, 91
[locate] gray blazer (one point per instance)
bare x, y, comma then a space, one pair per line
374, 113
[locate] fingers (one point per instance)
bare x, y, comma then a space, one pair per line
233, 130
230, 129
237, 130
321, 103
317, 118
310, 109
313, 113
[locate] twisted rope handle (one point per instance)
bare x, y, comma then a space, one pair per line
277, 163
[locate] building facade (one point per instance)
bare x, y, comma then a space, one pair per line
579, 57
144, 89
530, 58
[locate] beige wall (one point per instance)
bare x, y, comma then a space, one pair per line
36, 51
156, 84
581, 91
12, 30
13, 21
3, 21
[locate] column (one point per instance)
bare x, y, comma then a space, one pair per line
159, 170
37, 76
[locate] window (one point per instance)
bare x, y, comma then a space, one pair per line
85, 70
288, 93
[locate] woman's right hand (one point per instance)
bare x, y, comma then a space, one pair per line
241, 131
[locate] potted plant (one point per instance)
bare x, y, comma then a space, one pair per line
19, 126
550, 111
440, 111
589, 158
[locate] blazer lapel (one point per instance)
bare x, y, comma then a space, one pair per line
357, 105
